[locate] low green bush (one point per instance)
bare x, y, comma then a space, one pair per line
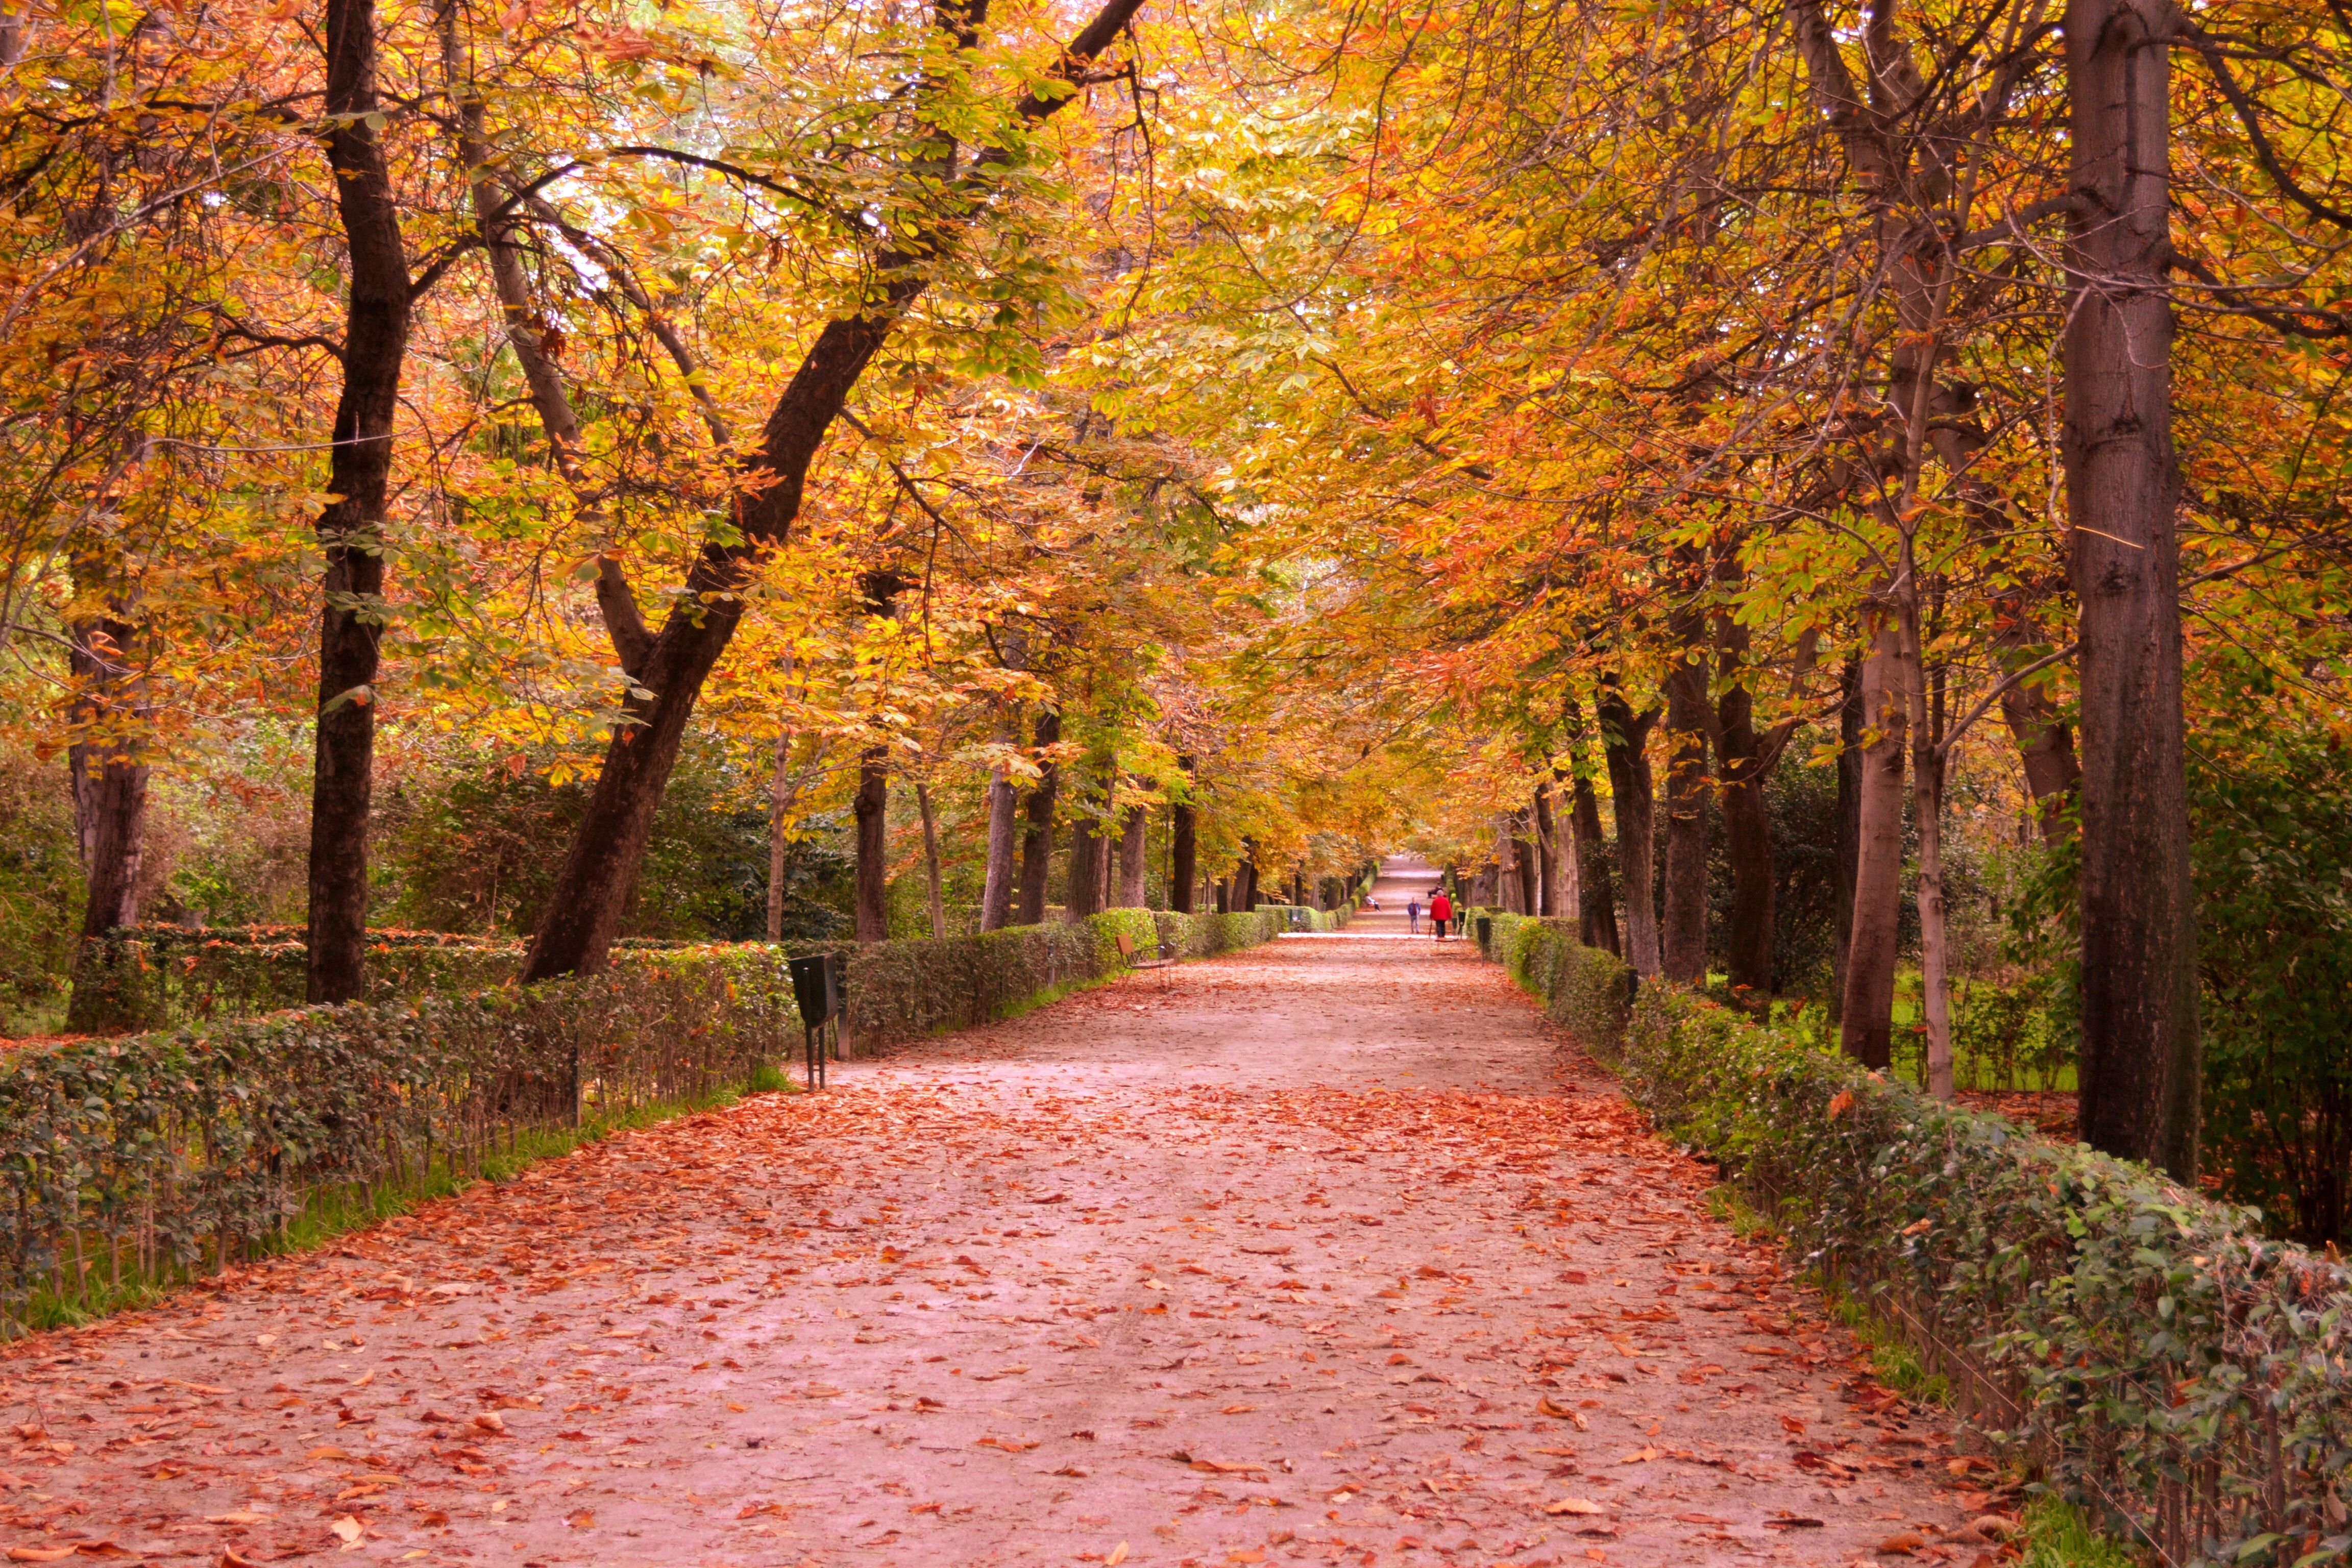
2163, 1362
148, 1156
910, 989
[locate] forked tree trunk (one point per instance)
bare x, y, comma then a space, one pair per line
351, 528
609, 844
1867, 1021
1037, 838
1624, 741
2139, 1062
1848, 856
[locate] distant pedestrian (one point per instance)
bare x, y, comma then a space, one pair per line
1441, 909
1412, 913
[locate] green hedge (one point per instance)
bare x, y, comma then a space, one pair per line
2153, 1352
907, 990
152, 1153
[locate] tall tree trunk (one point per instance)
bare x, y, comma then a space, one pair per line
1744, 761
1624, 741
1848, 858
1507, 865
1682, 939
110, 774
779, 798
1245, 878
1530, 891
1183, 827
608, 845
2139, 1063
1134, 845
1596, 902
1547, 889
996, 887
1224, 893
931, 860
1867, 1020
351, 528
1935, 957
871, 806
1037, 840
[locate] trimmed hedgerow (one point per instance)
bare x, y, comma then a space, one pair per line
2153, 1352
1587, 991
907, 990
158, 1154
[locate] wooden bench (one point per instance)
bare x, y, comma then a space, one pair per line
1167, 959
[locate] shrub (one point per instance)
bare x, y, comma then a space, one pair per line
162, 1152
907, 990
2162, 1360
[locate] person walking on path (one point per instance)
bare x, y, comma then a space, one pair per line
1441, 909
1412, 914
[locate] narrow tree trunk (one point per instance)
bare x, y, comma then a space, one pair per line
351, 528
1625, 740
1849, 830
109, 776
1037, 840
1935, 961
1547, 890
1596, 902
1507, 865
1528, 892
779, 798
996, 885
1223, 895
2045, 744
872, 809
1683, 940
1245, 878
608, 845
1184, 828
1867, 1021
2139, 1063
1134, 845
931, 860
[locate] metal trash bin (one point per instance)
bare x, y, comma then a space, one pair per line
1486, 934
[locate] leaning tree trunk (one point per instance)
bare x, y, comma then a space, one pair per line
1037, 838
351, 528
608, 846
1866, 1019
2139, 1062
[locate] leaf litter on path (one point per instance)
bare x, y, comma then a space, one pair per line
1422, 1276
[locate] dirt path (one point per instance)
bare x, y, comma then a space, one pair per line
1325, 1252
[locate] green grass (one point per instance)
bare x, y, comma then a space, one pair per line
334, 1212
2057, 1536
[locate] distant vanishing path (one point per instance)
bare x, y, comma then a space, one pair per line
1327, 1252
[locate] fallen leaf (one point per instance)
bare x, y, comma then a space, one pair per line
328, 1451
40, 1553
490, 1421
583, 1519
233, 1558
348, 1530
1547, 1405
1238, 1409
242, 1516
1901, 1545
1574, 1505
1639, 1456
1118, 1555
1842, 1102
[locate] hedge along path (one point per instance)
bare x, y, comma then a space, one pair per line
1312, 1255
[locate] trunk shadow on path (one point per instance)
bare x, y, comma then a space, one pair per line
1331, 1251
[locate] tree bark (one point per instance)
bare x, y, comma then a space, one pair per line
2139, 1062
872, 809
1867, 1020
931, 860
1682, 939
1245, 878
608, 846
778, 798
1624, 742
1184, 828
1596, 902
1037, 840
108, 773
1547, 889
996, 888
1134, 842
351, 528
1849, 830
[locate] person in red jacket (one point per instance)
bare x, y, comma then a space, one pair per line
1441, 909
